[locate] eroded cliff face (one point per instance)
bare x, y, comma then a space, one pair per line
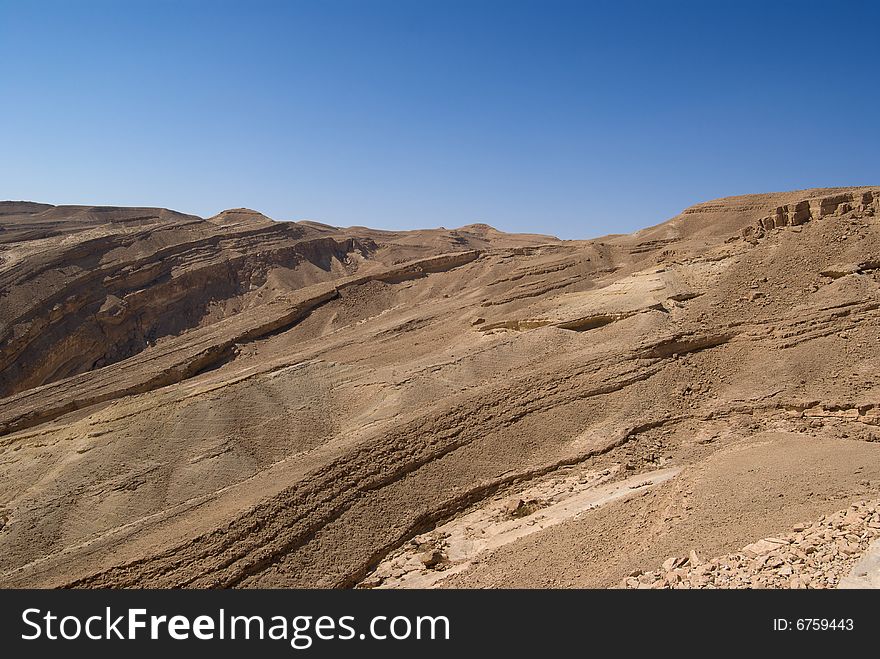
858, 203
86, 288
241, 402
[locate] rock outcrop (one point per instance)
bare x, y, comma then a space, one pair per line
854, 203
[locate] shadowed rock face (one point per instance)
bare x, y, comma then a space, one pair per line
236, 401
88, 287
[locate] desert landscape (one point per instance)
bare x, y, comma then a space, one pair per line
235, 401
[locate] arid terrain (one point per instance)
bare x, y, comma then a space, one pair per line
240, 402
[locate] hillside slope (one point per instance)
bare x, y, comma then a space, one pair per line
234, 401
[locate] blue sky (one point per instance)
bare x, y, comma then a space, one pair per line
571, 118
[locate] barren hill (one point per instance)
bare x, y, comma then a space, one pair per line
235, 401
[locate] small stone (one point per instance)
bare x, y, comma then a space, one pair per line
762, 546
371, 582
431, 558
512, 506
670, 564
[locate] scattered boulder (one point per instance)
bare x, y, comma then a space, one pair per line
519, 508
432, 558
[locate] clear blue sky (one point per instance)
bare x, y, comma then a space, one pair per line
572, 118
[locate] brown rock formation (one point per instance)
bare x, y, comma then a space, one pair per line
861, 202
235, 401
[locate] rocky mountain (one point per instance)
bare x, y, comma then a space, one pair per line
240, 402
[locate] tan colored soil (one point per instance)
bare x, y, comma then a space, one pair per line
238, 402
